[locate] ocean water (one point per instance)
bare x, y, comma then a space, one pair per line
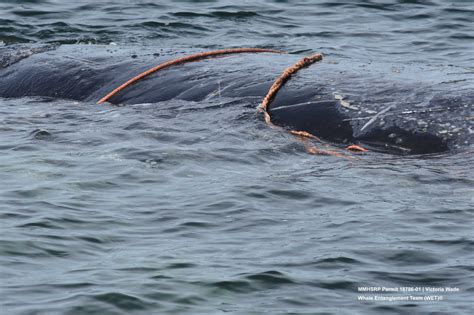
198, 207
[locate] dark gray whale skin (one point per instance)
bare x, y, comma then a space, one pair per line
337, 102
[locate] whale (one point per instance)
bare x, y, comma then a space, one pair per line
404, 110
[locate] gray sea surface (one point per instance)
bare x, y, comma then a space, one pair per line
184, 207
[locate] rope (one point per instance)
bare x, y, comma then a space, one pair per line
281, 80
185, 59
302, 135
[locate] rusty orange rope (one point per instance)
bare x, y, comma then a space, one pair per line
185, 59
276, 86
303, 135
285, 76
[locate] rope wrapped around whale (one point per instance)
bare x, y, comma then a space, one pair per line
276, 86
281, 80
190, 58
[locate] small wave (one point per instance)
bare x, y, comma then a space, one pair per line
123, 301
